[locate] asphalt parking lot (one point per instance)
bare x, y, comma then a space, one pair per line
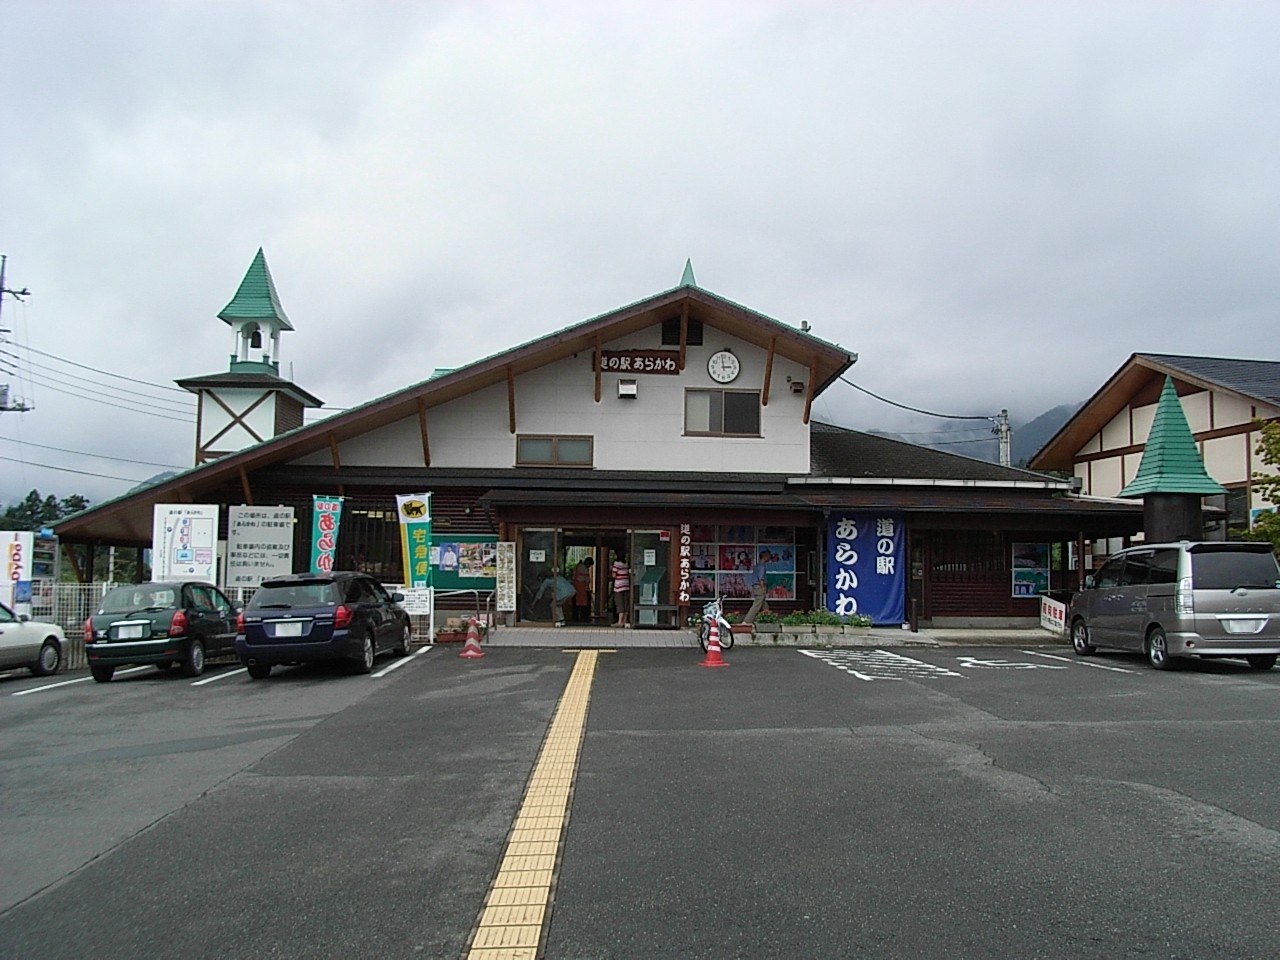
873, 802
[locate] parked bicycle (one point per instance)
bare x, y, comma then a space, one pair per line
714, 611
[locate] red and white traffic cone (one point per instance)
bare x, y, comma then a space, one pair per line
471, 649
713, 647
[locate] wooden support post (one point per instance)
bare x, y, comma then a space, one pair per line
511, 399
768, 371
422, 429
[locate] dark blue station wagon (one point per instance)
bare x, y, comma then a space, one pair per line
308, 617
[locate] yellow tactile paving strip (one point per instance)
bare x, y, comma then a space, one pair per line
510, 925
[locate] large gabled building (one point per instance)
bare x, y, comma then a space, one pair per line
1223, 400
674, 432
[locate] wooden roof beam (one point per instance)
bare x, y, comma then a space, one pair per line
599, 363
810, 386
422, 429
768, 371
511, 399
684, 331
244, 487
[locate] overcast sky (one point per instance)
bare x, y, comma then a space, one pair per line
992, 204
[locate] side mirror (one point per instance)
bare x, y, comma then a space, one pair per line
23, 618
1088, 582
397, 598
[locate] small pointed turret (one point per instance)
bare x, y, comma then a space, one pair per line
686, 280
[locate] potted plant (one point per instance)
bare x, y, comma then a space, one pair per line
825, 622
768, 622
797, 622
857, 624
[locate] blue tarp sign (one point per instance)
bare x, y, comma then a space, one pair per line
867, 566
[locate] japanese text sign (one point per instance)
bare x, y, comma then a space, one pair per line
866, 566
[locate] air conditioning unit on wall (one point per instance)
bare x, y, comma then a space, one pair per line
628, 389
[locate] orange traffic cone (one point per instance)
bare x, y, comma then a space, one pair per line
713, 648
471, 649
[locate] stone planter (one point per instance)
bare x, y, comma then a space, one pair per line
849, 631
827, 629
738, 628
768, 627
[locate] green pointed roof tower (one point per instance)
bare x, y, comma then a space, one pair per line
251, 402
257, 298
1171, 460
686, 279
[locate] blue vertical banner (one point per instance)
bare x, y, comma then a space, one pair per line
867, 566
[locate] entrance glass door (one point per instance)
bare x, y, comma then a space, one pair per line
651, 578
539, 559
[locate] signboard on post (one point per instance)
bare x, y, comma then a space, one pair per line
184, 542
326, 518
259, 544
414, 510
866, 566
17, 559
506, 580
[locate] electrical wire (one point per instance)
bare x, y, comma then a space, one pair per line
83, 473
174, 405
903, 406
108, 403
118, 376
96, 456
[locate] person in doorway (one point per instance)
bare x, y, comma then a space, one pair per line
757, 580
582, 590
620, 574
560, 590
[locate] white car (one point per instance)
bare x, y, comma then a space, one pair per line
40, 647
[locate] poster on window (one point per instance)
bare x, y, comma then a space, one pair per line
1030, 569
866, 566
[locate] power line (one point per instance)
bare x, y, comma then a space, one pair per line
83, 473
96, 456
903, 406
118, 376
108, 403
175, 405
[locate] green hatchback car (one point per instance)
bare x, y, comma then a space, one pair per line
180, 622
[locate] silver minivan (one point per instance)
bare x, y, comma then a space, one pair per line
1193, 598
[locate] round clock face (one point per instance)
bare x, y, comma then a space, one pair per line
723, 367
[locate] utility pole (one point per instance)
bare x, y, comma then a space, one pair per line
1001, 430
6, 406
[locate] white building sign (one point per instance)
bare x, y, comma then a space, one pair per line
184, 542
259, 544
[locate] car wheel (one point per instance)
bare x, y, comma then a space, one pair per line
193, 658
1158, 650
1080, 639
50, 659
164, 665
406, 642
259, 671
365, 663
1261, 661
102, 674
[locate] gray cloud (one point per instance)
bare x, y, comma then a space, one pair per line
994, 204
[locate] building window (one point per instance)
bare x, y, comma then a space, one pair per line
553, 451
722, 413
671, 332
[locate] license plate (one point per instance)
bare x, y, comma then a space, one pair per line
131, 631
289, 629
1243, 626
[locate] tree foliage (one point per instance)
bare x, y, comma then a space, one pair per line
33, 511
1266, 526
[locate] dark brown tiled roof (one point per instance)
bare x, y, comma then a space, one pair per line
837, 452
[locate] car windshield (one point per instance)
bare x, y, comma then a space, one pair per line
319, 594
1226, 570
131, 599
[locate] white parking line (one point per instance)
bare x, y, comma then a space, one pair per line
219, 676
397, 664
67, 683
1077, 661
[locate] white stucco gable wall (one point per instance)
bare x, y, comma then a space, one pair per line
214, 418
645, 433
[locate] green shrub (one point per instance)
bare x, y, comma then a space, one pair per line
768, 616
858, 620
825, 618
796, 619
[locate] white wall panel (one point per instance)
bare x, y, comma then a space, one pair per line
1106, 477
645, 433
1196, 407
1116, 432
1227, 458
